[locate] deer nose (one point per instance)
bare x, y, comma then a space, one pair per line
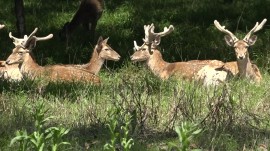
8, 61
118, 58
241, 57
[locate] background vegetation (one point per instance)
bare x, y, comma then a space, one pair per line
234, 116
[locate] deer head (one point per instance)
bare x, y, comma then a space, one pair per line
2, 26
240, 46
141, 53
24, 46
105, 51
151, 41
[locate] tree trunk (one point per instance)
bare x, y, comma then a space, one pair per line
19, 13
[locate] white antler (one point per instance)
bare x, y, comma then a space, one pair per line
18, 41
222, 29
136, 47
23, 41
2, 26
150, 35
256, 28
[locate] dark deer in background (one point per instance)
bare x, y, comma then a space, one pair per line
88, 15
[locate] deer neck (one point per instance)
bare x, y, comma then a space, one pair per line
245, 67
29, 66
157, 65
95, 63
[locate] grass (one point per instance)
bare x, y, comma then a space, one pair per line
232, 117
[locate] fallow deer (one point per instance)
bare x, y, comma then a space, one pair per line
22, 55
245, 68
186, 70
11, 72
88, 15
101, 52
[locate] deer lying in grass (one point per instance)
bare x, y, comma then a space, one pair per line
186, 70
11, 72
244, 66
101, 52
22, 55
88, 15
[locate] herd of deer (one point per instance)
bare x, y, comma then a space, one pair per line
210, 72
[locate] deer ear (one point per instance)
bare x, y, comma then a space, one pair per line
229, 40
99, 44
251, 41
31, 44
106, 40
100, 40
157, 40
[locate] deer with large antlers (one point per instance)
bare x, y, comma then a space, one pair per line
22, 55
206, 71
9, 72
101, 52
245, 68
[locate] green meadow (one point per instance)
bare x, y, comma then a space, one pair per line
132, 109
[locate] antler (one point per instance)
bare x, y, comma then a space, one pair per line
256, 28
23, 41
136, 47
222, 29
17, 41
150, 35
2, 26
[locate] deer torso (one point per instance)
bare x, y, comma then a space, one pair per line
32, 70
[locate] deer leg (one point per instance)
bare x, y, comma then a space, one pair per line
93, 28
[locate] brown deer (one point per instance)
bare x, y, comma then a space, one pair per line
22, 55
207, 72
9, 72
101, 52
244, 66
88, 15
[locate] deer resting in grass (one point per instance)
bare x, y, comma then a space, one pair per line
9, 72
88, 15
22, 55
149, 52
245, 68
101, 52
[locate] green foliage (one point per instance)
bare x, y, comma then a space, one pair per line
186, 132
116, 135
40, 138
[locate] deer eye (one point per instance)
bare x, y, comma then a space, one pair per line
143, 49
19, 53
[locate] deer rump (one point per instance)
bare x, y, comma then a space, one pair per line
88, 15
